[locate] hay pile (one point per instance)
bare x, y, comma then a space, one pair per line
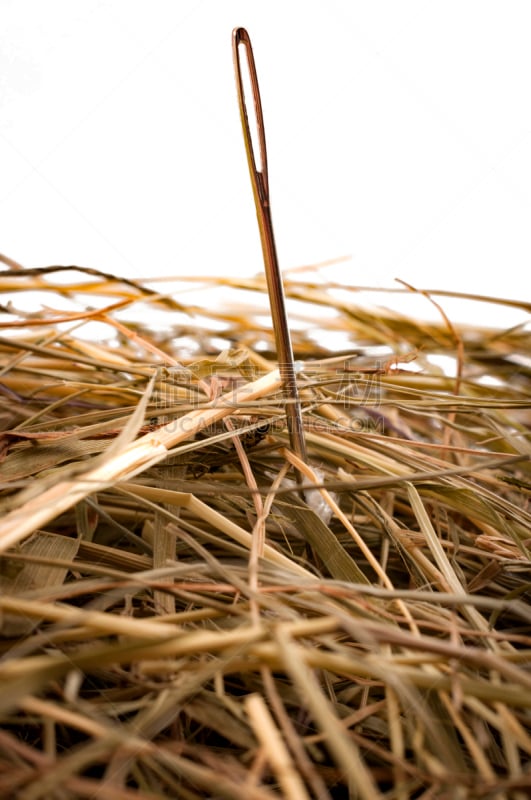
180, 620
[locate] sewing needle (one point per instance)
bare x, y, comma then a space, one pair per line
260, 185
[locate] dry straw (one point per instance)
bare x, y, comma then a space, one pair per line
195, 604
180, 621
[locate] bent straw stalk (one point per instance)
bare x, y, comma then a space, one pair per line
135, 457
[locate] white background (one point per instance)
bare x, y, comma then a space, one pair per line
399, 134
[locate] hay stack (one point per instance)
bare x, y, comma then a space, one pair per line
181, 620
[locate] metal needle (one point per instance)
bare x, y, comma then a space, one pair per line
260, 186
